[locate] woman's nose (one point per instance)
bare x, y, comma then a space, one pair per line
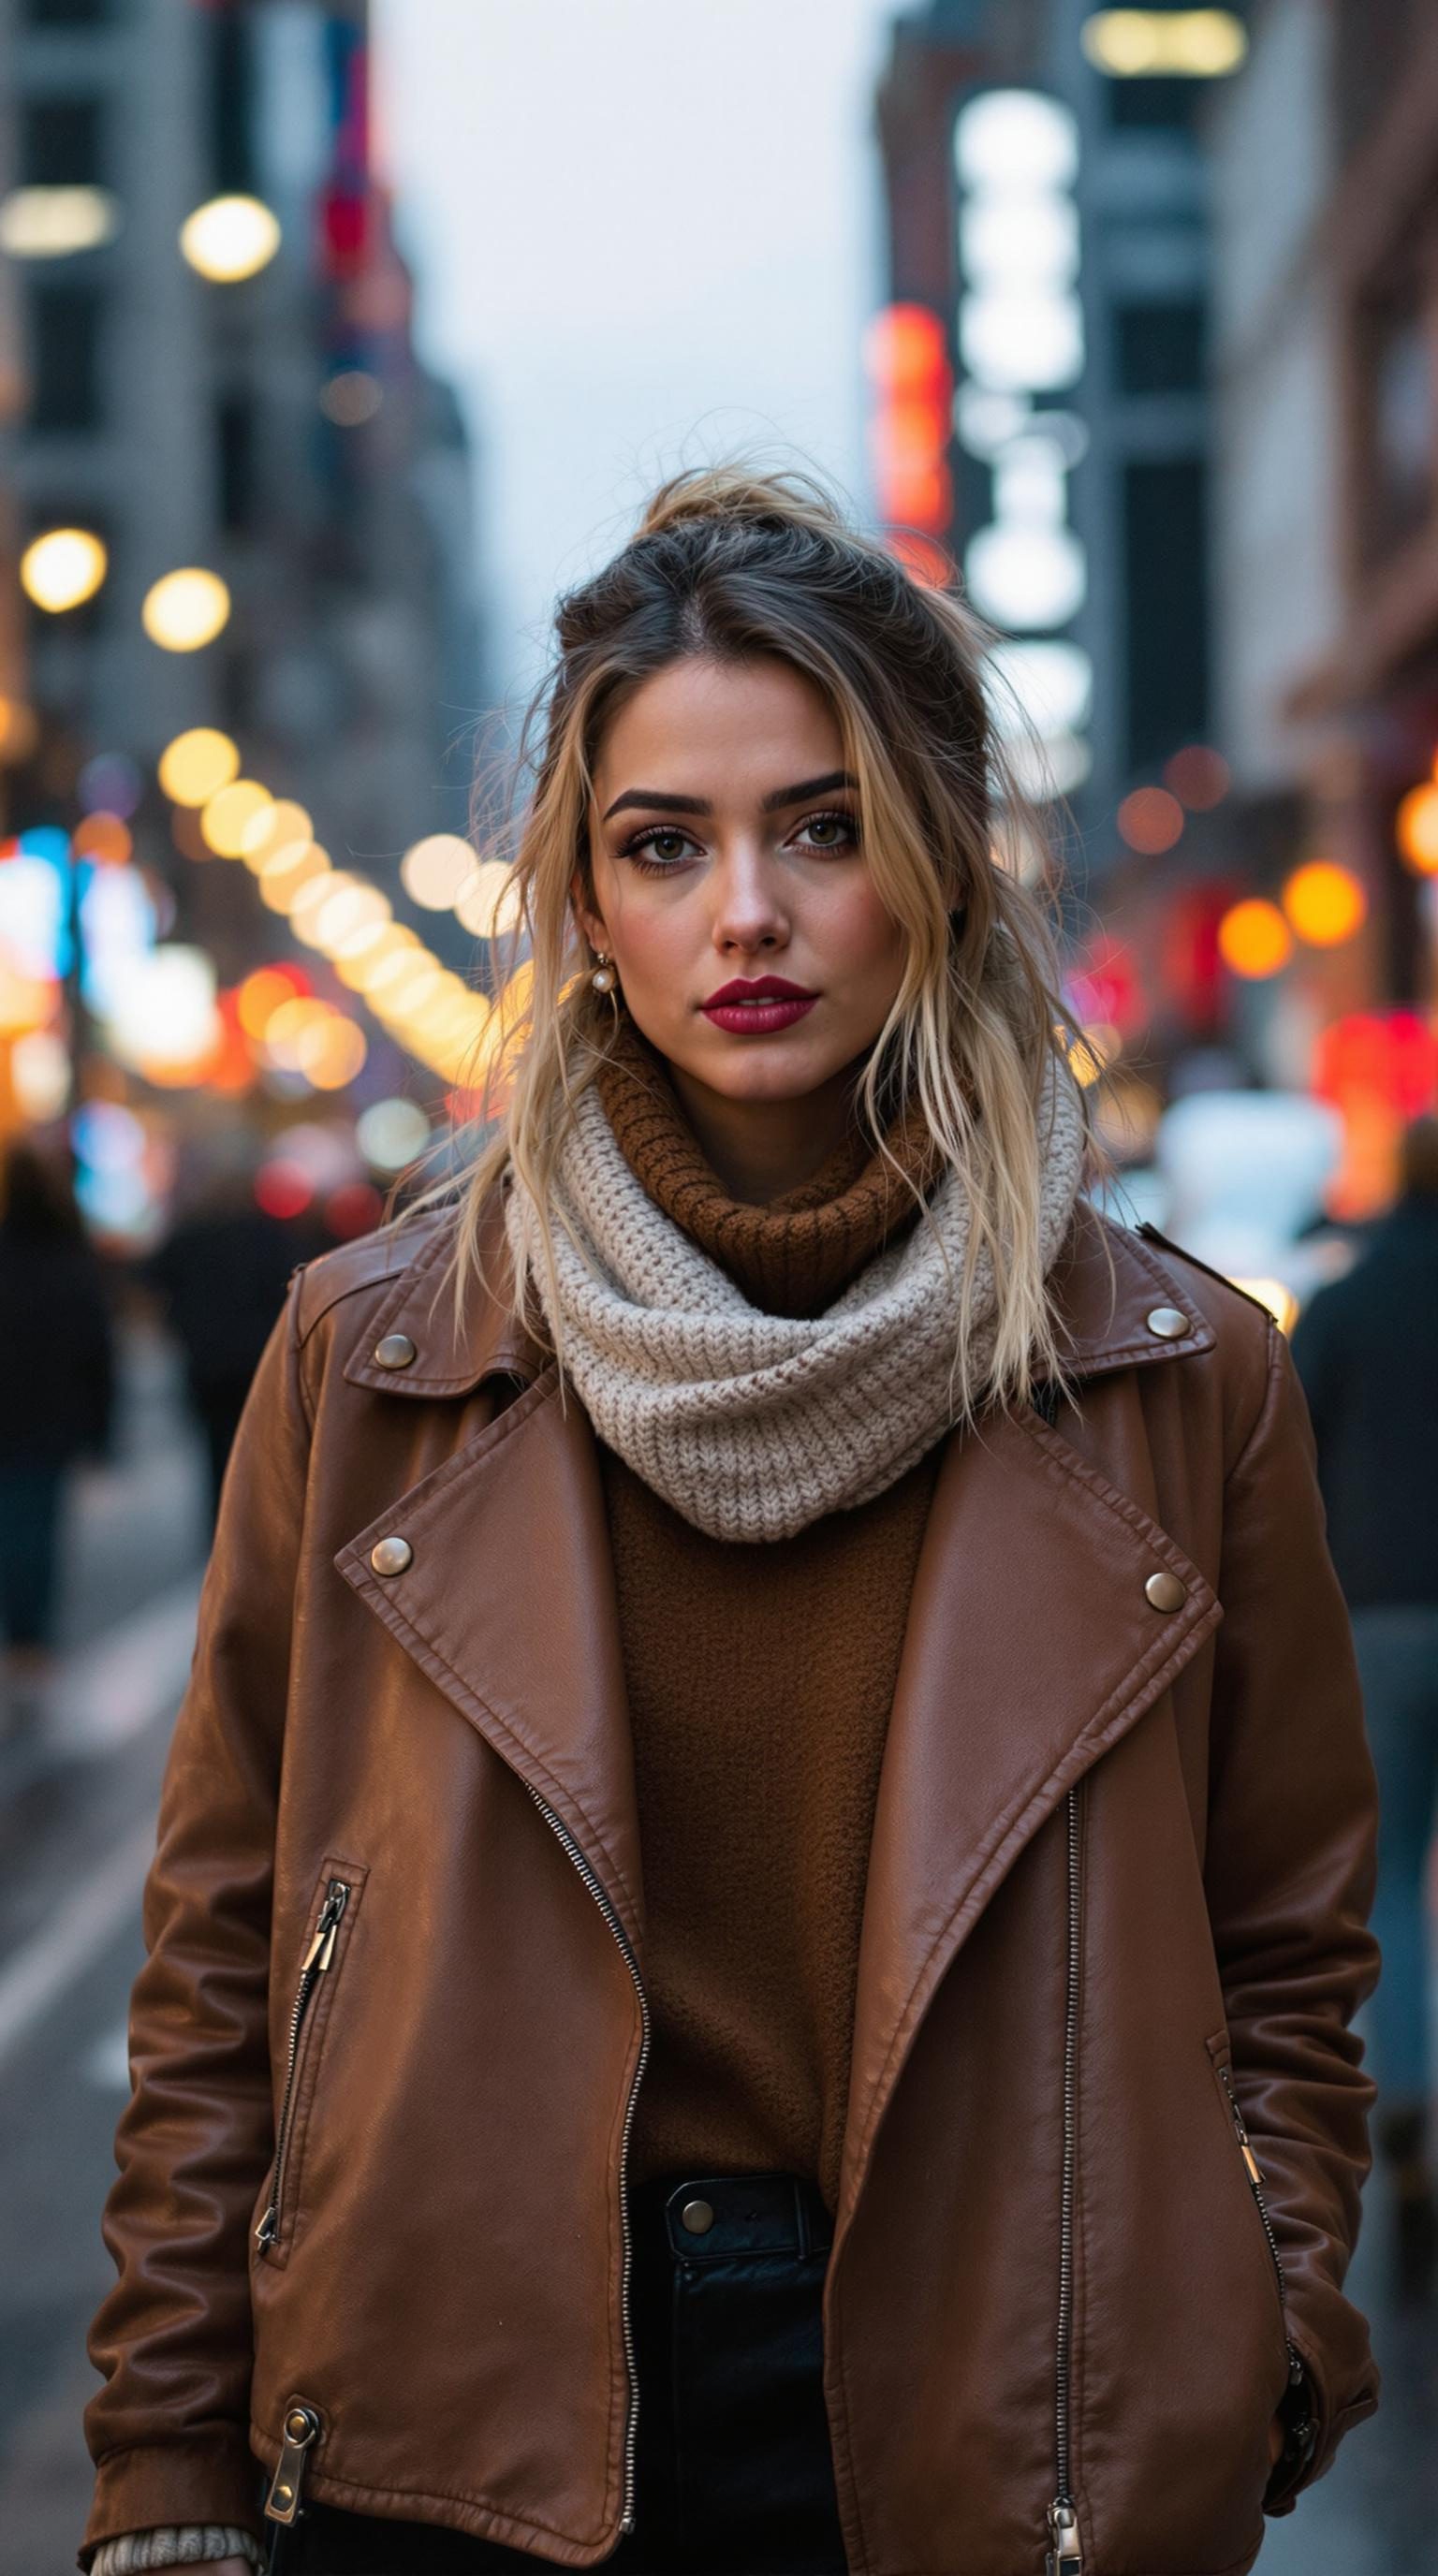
748, 912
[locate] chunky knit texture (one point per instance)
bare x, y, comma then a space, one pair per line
754, 1425
792, 1255
188, 2544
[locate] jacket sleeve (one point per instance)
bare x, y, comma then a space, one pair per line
168, 2431
1290, 1873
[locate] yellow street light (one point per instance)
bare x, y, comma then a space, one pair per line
185, 609
63, 568
197, 764
230, 238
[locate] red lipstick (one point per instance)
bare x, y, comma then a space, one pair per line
756, 1007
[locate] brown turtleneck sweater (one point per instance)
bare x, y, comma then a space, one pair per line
760, 1680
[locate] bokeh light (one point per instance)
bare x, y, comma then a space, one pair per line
104, 838
350, 397
1150, 820
1199, 777
1174, 44
489, 904
392, 1133
56, 222
354, 1208
275, 828
186, 609
111, 783
260, 996
230, 238
1254, 939
283, 1190
229, 814
288, 870
1325, 903
63, 568
197, 764
1417, 829
330, 1052
436, 869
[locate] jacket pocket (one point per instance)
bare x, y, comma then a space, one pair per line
333, 1907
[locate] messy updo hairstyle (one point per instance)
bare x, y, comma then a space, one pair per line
729, 562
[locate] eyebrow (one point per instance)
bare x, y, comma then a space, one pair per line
772, 804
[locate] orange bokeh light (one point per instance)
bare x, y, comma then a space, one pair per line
104, 838
259, 997
1325, 903
905, 350
1150, 820
1254, 939
1416, 829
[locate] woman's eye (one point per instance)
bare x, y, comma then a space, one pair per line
654, 848
836, 831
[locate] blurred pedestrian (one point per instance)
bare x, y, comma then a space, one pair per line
1367, 1351
57, 1337
220, 1278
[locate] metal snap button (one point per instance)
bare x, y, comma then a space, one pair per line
391, 1556
697, 2216
395, 1352
1167, 1322
1165, 1591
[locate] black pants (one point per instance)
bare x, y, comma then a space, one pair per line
733, 2473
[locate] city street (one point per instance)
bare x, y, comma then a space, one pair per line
76, 1830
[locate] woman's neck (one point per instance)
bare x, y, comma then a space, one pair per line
762, 1149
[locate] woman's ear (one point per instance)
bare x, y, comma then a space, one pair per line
590, 922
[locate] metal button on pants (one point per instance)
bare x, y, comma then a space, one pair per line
733, 2471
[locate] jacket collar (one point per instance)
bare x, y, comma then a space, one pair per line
1106, 1283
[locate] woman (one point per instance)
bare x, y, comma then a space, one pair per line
773, 1779
59, 1406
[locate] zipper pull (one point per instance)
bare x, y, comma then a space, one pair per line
1066, 2557
1240, 2132
302, 2427
322, 1948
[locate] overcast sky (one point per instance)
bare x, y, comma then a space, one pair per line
644, 231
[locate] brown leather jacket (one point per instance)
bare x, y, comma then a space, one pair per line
1107, 2125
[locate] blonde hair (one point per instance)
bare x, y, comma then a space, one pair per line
729, 561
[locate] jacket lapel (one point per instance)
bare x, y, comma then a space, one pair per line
1032, 1646
507, 1604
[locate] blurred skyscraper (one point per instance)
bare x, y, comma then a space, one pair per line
1052, 218
1324, 161
251, 406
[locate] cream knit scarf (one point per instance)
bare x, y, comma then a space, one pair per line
754, 1425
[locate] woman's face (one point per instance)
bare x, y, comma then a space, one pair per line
730, 888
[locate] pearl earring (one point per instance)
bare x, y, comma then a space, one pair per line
603, 979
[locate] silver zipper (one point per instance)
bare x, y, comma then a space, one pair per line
600, 1895
1301, 2430
316, 1961
1064, 2556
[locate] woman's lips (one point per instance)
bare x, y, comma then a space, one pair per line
758, 1009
